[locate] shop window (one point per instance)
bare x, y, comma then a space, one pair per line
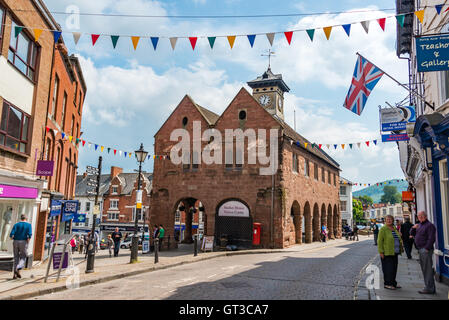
343, 206
343, 191
14, 128
113, 216
444, 182
22, 53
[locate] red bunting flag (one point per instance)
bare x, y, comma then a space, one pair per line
84, 142
288, 36
193, 42
320, 145
382, 23
367, 143
115, 151
95, 38
47, 128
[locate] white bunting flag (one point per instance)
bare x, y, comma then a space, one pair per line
358, 144
365, 25
76, 37
270, 37
173, 42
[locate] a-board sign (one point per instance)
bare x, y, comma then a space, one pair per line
208, 243
57, 256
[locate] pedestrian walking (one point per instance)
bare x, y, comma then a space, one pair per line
424, 234
21, 234
161, 235
81, 244
407, 238
110, 244
323, 233
389, 245
73, 244
116, 237
375, 233
355, 233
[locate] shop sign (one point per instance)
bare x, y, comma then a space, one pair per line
407, 196
145, 246
69, 210
233, 209
79, 217
57, 257
7, 191
55, 208
44, 168
393, 119
432, 53
121, 228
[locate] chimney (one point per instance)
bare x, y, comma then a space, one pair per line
115, 171
84, 174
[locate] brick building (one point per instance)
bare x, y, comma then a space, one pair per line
64, 113
118, 199
291, 204
25, 73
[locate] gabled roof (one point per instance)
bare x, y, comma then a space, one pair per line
81, 186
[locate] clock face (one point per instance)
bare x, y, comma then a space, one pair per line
265, 100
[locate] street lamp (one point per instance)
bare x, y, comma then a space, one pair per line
140, 157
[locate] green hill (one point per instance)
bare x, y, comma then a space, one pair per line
376, 191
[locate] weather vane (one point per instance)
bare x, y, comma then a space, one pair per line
268, 54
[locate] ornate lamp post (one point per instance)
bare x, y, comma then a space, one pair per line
140, 156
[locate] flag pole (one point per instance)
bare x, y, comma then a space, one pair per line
402, 85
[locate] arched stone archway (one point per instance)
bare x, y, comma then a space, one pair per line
336, 222
190, 219
307, 216
323, 215
316, 223
330, 222
234, 222
295, 213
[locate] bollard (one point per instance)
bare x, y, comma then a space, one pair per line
195, 245
156, 250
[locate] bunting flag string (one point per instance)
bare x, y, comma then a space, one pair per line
99, 147
309, 145
364, 184
154, 40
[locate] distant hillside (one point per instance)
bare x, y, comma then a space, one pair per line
376, 191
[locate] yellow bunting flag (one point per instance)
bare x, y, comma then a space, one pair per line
327, 32
154, 157
305, 144
135, 41
231, 40
37, 34
130, 154
420, 15
342, 146
70, 138
102, 148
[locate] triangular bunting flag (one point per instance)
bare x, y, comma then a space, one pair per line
335, 146
125, 154
89, 145
328, 146
173, 42
84, 142
114, 40
310, 32
17, 30
154, 41
135, 41
367, 143
297, 143
320, 145
37, 34
365, 25
382, 23
438, 7
342, 146
350, 145
400, 18
70, 138
420, 15
288, 36
55, 132
47, 129
109, 149
63, 135
130, 154
120, 152
270, 37
96, 147
94, 38
193, 42
251, 39
211, 41
56, 35
327, 32
231, 40
102, 148
76, 37
358, 144
347, 28
305, 144
115, 152
375, 142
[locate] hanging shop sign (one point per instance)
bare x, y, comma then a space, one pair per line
393, 119
44, 168
56, 207
407, 196
233, 209
69, 210
432, 53
79, 217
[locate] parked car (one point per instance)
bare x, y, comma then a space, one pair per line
126, 244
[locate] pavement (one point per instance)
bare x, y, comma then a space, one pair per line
106, 269
409, 277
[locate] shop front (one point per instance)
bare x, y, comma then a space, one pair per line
432, 131
16, 200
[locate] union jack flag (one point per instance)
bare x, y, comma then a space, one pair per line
366, 75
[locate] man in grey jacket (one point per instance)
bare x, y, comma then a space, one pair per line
425, 235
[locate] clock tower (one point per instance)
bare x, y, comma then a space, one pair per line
268, 90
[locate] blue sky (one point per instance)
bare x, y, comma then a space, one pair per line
131, 93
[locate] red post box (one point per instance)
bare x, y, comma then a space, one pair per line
256, 233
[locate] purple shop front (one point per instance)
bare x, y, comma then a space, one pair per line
7, 191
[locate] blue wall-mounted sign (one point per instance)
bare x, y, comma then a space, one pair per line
432, 53
69, 210
55, 208
393, 119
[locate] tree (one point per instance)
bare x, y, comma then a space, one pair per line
391, 195
366, 200
357, 210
